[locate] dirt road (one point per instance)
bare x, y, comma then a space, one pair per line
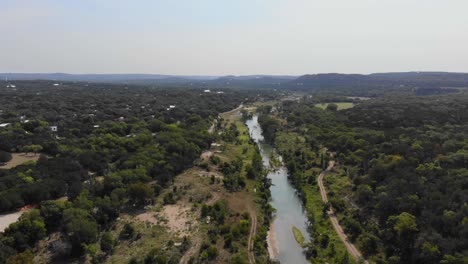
252, 234
9, 218
233, 110
191, 251
331, 214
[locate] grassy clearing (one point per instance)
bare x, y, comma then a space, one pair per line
341, 105
151, 237
18, 159
298, 236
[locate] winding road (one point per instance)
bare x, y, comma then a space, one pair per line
334, 219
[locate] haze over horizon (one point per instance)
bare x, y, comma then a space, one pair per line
242, 37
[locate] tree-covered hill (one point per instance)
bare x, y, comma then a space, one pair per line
405, 160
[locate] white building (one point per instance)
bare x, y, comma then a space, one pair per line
53, 128
4, 125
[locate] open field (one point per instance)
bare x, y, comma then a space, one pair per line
9, 218
341, 105
18, 159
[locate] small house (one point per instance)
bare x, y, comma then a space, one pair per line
53, 128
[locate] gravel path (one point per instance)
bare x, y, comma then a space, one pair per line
331, 214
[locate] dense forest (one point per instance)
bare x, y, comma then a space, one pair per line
103, 149
399, 186
402, 171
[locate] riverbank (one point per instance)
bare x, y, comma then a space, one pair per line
327, 246
288, 207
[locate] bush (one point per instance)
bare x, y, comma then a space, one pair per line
107, 242
127, 232
4, 156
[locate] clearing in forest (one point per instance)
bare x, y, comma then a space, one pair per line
341, 105
18, 159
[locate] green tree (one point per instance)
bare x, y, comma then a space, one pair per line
127, 232
28, 230
430, 253
107, 242
80, 227
4, 156
140, 194
32, 148
404, 224
332, 107
367, 243
25, 257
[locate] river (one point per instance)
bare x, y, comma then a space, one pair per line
289, 209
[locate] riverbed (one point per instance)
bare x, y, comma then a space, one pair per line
289, 209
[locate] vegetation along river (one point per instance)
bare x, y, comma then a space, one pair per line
289, 209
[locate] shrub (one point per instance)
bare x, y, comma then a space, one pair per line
4, 156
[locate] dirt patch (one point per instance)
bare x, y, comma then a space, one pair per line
7, 219
216, 196
206, 155
147, 217
238, 201
211, 173
179, 219
18, 159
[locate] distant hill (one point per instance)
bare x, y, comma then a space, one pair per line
397, 79
99, 77
426, 82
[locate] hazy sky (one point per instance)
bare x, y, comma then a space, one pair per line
217, 37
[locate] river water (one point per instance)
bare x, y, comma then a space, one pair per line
289, 209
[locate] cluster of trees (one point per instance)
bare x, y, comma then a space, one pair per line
233, 234
115, 149
44, 180
406, 158
270, 126
233, 178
